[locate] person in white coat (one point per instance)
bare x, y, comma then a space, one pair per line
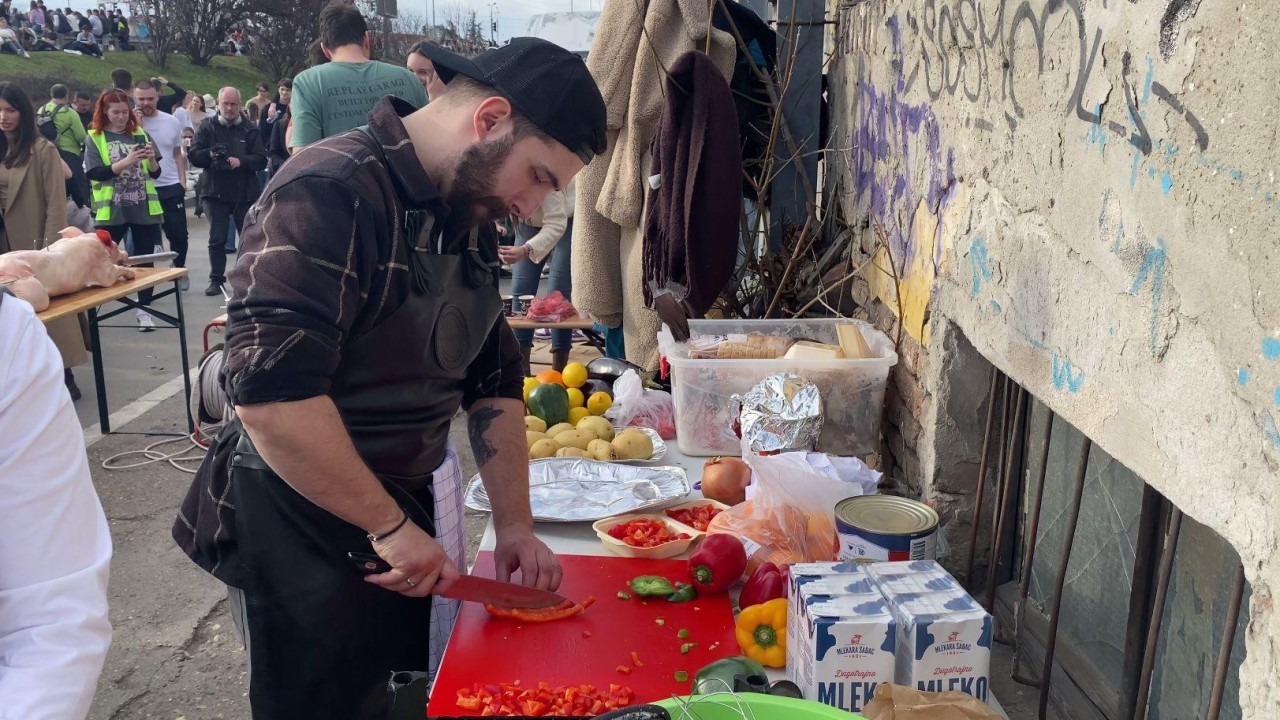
55, 548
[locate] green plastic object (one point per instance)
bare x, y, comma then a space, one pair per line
551, 403
762, 707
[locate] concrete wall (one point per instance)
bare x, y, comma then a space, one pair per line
1086, 192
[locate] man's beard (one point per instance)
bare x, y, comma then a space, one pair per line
469, 198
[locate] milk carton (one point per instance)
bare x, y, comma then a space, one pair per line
923, 570
802, 574
944, 642
847, 646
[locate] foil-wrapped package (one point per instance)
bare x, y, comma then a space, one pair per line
782, 412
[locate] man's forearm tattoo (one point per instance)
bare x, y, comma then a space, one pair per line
477, 427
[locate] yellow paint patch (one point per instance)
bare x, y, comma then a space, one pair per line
915, 280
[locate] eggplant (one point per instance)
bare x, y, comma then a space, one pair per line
591, 387
610, 369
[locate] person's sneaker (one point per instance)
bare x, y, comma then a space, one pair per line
184, 283
542, 334
70, 381
145, 323
213, 289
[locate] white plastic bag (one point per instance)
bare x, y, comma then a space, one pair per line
634, 405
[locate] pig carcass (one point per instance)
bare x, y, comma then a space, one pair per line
77, 261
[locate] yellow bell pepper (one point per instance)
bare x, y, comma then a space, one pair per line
762, 632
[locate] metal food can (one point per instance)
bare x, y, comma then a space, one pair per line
872, 528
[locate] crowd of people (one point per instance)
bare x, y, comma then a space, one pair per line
354, 155
40, 29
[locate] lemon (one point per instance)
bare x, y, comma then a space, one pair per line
529, 385
575, 375
575, 398
599, 402
576, 414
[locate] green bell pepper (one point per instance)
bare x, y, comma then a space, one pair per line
683, 593
652, 586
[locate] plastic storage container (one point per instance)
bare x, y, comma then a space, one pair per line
852, 390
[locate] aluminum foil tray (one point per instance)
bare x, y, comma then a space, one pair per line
581, 490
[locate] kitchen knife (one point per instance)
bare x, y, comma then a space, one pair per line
471, 588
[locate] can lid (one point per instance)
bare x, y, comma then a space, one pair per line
887, 514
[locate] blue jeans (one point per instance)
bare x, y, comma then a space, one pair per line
526, 274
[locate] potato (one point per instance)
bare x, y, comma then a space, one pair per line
572, 452
600, 450
543, 449
534, 423
557, 429
574, 438
598, 425
633, 446
532, 437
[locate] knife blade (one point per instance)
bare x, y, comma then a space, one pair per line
470, 588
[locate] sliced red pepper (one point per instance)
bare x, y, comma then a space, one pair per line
635, 659
539, 615
624, 669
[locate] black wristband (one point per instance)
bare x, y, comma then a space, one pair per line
379, 538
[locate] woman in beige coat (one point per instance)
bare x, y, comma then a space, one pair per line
33, 203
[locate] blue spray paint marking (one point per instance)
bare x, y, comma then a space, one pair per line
1146, 84
1166, 182
981, 263
1278, 395
1271, 348
1153, 267
1151, 172
1066, 376
1237, 176
1133, 174
1242, 376
1119, 237
1111, 332
1095, 135
995, 307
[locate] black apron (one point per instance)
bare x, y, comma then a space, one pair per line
323, 642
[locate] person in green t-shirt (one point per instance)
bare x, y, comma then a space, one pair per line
337, 96
66, 122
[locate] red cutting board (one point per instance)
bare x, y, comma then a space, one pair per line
489, 650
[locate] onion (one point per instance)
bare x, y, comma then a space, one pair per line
725, 479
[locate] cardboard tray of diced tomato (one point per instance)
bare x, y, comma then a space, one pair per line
657, 534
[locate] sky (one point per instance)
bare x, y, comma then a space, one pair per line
513, 15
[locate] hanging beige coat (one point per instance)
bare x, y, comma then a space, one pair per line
635, 40
35, 210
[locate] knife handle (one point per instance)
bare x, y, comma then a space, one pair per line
368, 563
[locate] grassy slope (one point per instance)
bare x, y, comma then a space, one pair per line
92, 74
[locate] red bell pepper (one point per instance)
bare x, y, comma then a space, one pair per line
765, 584
717, 563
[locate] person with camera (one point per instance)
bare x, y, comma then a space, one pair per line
230, 150
121, 162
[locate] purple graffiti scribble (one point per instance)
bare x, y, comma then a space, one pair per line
883, 156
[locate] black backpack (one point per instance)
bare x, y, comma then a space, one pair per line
44, 122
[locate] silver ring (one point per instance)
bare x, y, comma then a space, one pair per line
410, 581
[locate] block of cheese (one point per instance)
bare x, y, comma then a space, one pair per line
808, 350
855, 346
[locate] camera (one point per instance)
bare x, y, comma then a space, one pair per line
219, 154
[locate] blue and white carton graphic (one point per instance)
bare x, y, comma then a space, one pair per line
847, 647
918, 576
944, 642
803, 574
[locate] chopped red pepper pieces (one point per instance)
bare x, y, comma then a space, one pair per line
624, 669
645, 533
544, 700
540, 615
586, 633
635, 659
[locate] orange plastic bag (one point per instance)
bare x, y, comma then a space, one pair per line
790, 517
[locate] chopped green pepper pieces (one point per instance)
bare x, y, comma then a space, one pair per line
623, 596
685, 648
651, 586
684, 594
684, 633
682, 676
